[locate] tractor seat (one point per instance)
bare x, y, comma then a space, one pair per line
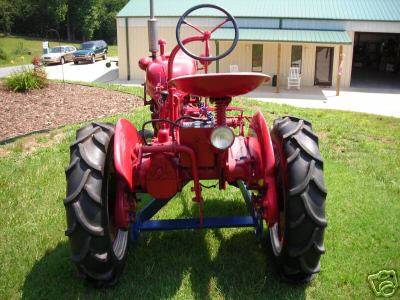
219, 85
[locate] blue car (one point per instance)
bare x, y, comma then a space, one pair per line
91, 51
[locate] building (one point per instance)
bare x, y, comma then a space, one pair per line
312, 34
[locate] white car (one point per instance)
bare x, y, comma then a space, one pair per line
59, 55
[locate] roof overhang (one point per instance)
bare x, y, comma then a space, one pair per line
285, 35
345, 10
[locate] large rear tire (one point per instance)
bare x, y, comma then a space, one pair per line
297, 240
98, 249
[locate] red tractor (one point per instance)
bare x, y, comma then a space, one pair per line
279, 172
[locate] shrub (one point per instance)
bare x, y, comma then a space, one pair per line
38, 67
28, 79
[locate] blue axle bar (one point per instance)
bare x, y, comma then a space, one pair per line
144, 223
218, 222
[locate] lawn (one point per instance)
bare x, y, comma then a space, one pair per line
17, 49
362, 173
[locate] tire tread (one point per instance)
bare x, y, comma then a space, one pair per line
300, 255
92, 252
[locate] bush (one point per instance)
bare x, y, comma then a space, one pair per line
28, 79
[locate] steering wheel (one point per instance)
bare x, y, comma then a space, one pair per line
206, 35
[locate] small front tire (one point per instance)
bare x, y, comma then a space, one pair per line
93, 59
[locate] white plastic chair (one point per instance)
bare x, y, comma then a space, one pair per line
294, 78
233, 68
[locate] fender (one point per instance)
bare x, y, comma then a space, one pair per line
126, 140
259, 125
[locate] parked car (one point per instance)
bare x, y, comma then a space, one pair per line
90, 51
59, 54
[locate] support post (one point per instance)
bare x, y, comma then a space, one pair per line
127, 49
217, 53
340, 70
278, 69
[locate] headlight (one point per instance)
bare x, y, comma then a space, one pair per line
222, 138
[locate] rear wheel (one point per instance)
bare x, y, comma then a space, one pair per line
98, 248
297, 239
105, 56
62, 60
75, 62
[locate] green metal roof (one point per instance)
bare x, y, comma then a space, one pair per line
284, 35
361, 10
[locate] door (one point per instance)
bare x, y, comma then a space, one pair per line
97, 50
69, 56
323, 66
257, 57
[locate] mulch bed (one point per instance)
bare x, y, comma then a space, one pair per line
56, 105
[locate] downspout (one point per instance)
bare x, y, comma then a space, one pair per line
127, 49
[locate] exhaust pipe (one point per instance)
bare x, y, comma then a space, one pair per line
152, 30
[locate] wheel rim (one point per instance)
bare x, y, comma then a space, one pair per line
277, 231
118, 237
119, 245
62, 60
277, 235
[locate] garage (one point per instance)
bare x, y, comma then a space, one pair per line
376, 60
309, 34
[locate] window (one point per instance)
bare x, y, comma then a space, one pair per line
257, 58
297, 53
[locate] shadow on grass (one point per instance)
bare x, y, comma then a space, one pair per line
195, 264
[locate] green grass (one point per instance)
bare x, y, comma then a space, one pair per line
362, 172
17, 49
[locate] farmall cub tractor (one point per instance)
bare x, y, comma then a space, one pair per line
279, 172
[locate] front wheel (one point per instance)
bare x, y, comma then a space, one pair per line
297, 239
105, 56
98, 248
62, 60
93, 59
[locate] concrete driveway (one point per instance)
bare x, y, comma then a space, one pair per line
4, 72
384, 102
97, 72
374, 101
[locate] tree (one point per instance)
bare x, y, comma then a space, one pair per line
10, 11
74, 19
108, 28
83, 18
